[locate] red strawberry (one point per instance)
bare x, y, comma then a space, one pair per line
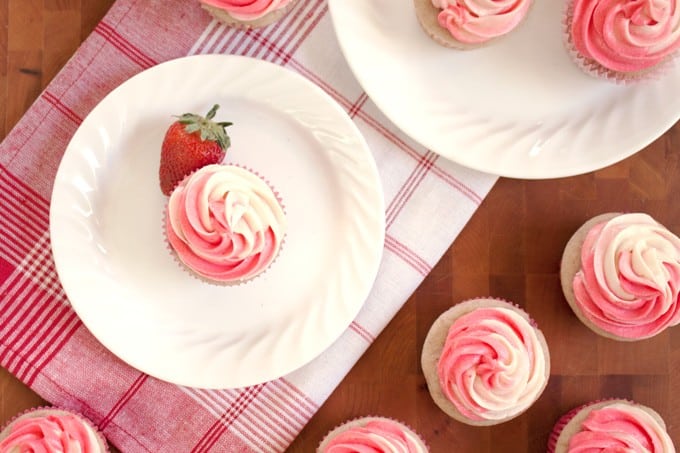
190, 143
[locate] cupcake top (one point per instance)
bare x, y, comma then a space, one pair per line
626, 35
372, 434
492, 365
478, 21
50, 430
629, 280
247, 10
225, 223
616, 425
485, 361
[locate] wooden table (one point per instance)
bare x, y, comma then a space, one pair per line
511, 248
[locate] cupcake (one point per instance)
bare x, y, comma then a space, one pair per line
622, 40
225, 224
247, 13
485, 362
372, 434
468, 24
614, 425
51, 430
620, 274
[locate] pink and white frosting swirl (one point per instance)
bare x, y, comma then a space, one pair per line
620, 427
51, 433
225, 223
248, 10
492, 365
376, 436
626, 35
477, 21
629, 279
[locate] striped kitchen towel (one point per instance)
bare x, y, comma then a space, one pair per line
428, 201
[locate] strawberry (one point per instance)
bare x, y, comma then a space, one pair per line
190, 143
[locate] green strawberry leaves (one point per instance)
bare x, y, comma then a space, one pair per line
206, 128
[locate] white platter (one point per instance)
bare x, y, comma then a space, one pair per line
517, 108
106, 216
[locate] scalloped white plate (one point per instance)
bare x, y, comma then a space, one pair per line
106, 216
517, 108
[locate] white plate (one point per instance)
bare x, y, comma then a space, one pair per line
517, 108
106, 216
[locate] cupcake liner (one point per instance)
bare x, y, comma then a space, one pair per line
434, 343
361, 421
207, 280
560, 424
41, 411
596, 70
269, 18
565, 419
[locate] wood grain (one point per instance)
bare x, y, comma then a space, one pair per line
511, 248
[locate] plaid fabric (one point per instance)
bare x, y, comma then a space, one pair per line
43, 342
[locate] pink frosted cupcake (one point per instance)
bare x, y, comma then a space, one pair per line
225, 223
614, 425
468, 24
372, 434
485, 362
620, 274
622, 40
51, 430
248, 13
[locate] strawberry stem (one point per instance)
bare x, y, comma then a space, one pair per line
206, 128
212, 111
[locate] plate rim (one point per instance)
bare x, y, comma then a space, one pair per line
431, 144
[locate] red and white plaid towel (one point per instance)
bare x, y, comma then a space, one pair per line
43, 342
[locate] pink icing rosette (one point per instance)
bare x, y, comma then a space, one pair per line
629, 280
615, 425
51, 430
248, 10
225, 223
492, 366
478, 21
621, 427
627, 36
372, 434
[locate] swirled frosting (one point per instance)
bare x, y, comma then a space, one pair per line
376, 436
247, 10
629, 279
492, 365
477, 21
626, 35
620, 427
52, 433
225, 223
